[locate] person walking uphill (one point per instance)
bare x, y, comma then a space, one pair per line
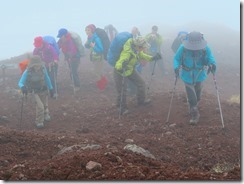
95, 45
125, 70
49, 55
35, 80
193, 57
155, 40
72, 55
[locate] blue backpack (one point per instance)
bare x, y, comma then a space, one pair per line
116, 47
51, 40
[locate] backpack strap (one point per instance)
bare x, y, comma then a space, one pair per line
183, 58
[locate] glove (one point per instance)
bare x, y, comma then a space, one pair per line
156, 57
211, 68
24, 90
177, 72
51, 93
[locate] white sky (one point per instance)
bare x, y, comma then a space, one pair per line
22, 20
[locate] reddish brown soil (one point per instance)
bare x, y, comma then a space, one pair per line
182, 151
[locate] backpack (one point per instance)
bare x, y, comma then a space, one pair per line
183, 57
23, 65
51, 40
78, 43
116, 47
105, 41
35, 80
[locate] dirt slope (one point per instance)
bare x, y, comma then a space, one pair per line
181, 151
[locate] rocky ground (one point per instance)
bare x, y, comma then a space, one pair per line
86, 139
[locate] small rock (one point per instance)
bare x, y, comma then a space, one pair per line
93, 166
168, 133
129, 141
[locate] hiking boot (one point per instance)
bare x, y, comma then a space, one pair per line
194, 116
76, 89
39, 125
123, 111
55, 95
47, 117
146, 102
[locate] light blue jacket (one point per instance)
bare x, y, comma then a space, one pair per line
24, 77
98, 48
193, 70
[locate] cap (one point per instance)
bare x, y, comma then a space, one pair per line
62, 32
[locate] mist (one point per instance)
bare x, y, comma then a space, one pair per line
24, 20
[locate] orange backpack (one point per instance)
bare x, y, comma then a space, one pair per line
23, 65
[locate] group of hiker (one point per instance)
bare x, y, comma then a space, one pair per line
127, 52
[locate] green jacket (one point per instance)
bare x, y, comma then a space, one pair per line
129, 57
155, 41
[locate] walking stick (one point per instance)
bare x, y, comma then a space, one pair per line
55, 82
151, 76
21, 109
176, 77
72, 78
220, 109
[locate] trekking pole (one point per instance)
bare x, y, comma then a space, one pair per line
21, 109
220, 109
151, 76
55, 82
72, 78
176, 77
121, 94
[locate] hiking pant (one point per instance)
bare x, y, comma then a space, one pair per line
121, 87
98, 69
74, 66
41, 100
131, 88
52, 72
193, 92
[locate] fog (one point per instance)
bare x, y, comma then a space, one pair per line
23, 20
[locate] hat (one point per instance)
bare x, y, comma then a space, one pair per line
38, 41
62, 32
92, 27
194, 41
140, 42
35, 60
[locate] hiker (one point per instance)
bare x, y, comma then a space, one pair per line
138, 66
155, 40
178, 40
35, 80
50, 57
193, 57
125, 70
111, 31
95, 45
72, 55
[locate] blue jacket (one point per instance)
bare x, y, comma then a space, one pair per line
98, 48
193, 70
25, 74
